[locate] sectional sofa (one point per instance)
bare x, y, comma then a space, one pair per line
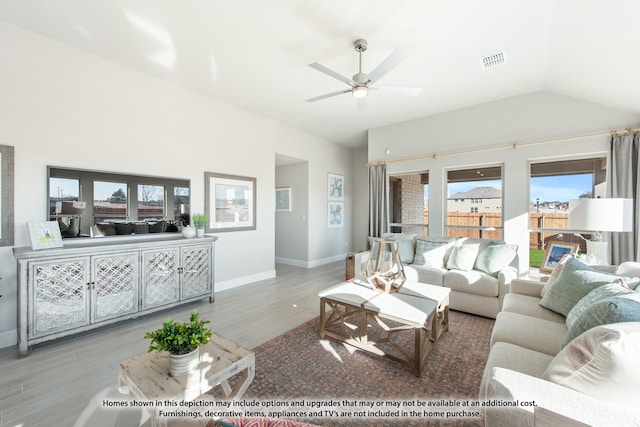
570, 345
478, 271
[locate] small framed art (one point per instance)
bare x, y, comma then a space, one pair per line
283, 199
554, 253
335, 214
44, 235
335, 187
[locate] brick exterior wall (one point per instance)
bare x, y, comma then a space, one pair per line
412, 206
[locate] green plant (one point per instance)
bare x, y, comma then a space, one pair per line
199, 220
180, 338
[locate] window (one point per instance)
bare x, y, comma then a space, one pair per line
408, 203
62, 189
150, 202
109, 201
551, 186
473, 187
181, 204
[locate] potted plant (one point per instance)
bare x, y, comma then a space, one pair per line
199, 221
182, 341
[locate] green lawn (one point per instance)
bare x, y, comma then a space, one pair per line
535, 257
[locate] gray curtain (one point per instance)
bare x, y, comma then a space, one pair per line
625, 183
378, 205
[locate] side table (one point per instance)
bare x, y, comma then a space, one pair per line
146, 376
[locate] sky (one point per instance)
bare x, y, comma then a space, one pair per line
548, 189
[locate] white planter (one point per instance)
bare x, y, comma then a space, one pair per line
181, 364
188, 232
199, 232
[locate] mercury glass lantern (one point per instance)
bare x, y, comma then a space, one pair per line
384, 268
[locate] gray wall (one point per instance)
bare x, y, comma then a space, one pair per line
292, 228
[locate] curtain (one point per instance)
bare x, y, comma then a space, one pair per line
378, 205
625, 183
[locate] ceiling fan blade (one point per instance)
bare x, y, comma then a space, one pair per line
332, 73
398, 90
328, 95
387, 65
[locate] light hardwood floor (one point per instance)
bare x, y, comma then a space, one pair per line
52, 385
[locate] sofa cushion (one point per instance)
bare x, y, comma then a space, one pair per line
599, 293
430, 253
575, 281
495, 257
463, 256
535, 334
424, 274
602, 362
473, 282
616, 309
529, 306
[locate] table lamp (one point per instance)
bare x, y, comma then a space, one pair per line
596, 216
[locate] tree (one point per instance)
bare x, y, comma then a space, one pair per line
118, 196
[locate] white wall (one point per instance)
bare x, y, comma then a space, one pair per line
531, 117
360, 199
64, 107
292, 233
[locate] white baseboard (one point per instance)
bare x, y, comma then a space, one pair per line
310, 264
8, 338
244, 280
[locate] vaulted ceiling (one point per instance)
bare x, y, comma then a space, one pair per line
255, 54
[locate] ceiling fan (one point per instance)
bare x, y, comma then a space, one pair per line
361, 83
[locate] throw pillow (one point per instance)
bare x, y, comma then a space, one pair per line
555, 273
495, 257
405, 247
602, 362
463, 256
599, 293
616, 309
630, 269
430, 254
575, 281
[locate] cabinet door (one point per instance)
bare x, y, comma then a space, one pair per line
160, 280
114, 285
59, 295
196, 271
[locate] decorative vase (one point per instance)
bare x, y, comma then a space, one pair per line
188, 232
199, 232
181, 364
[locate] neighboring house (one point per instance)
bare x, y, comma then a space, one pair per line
476, 200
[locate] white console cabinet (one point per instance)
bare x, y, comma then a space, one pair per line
94, 282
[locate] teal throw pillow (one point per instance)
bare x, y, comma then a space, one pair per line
599, 293
430, 254
495, 257
616, 309
575, 281
463, 256
405, 246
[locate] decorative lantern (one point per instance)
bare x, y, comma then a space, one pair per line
384, 267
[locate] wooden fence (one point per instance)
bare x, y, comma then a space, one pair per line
494, 219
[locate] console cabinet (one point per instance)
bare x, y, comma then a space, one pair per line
93, 283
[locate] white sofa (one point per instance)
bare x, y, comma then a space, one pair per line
478, 271
543, 356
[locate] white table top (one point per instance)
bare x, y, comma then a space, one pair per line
414, 304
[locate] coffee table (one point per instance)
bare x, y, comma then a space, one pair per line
352, 311
146, 376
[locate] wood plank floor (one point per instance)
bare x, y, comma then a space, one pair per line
52, 385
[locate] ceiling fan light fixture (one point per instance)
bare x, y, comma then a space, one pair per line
359, 91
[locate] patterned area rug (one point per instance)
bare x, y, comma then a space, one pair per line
300, 368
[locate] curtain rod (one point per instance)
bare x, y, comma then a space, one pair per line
505, 146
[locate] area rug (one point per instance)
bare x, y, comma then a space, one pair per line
340, 382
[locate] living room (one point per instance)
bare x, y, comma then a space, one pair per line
63, 105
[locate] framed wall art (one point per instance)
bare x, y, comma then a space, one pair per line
336, 210
554, 253
6, 201
335, 187
230, 202
44, 235
283, 199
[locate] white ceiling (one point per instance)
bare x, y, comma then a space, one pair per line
255, 53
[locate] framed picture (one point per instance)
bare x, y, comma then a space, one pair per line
554, 253
283, 199
335, 214
230, 202
6, 201
336, 187
44, 235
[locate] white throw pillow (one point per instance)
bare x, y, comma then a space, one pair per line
463, 257
602, 362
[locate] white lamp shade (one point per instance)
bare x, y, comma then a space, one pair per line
601, 214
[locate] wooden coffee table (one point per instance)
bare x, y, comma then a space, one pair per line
146, 376
350, 312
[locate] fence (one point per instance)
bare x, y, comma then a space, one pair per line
494, 219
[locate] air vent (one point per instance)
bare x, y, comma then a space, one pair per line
493, 60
